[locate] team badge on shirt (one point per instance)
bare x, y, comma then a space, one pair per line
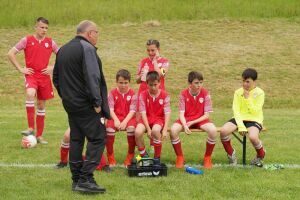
128, 98
46, 45
161, 101
201, 100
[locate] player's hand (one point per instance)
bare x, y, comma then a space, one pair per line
48, 70
187, 130
165, 134
123, 125
189, 124
117, 124
97, 109
26, 70
243, 133
149, 133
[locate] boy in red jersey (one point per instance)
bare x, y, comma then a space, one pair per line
154, 105
194, 108
38, 49
154, 62
248, 117
122, 103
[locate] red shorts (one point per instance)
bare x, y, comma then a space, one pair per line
160, 122
42, 84
198, 125
110, 123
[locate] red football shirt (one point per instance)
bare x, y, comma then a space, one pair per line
122, 104
194, 106
154, 107
145, 64
37, 53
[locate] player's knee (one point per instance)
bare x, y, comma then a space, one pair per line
174, 134
224, 132
41, 105
138, 133
130, 129
253, 138
110, 130
30, 94
212, 133
66, 139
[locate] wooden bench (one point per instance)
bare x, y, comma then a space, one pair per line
242, 140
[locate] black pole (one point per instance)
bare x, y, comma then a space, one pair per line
244, 149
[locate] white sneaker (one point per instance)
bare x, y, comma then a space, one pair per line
41, 140
232, 159
27, 132
257, 162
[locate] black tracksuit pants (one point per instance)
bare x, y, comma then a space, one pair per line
85, 124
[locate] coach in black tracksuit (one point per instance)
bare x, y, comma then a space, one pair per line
79, 80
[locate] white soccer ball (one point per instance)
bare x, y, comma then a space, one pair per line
28, 141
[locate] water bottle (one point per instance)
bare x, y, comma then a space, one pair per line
193, 170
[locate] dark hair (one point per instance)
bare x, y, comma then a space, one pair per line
42, 19
249, 73
194, 75
152, 76
153, 42
123, 73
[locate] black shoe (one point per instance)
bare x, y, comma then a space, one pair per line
107, 169
61, 165
89, 186
74, 184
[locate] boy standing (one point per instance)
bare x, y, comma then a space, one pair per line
122, 105
247, 107
194, 108
154, 105
37, 49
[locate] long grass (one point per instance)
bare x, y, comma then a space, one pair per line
16, 13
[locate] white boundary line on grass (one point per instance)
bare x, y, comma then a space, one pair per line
31, 165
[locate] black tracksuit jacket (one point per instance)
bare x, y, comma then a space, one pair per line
78, 77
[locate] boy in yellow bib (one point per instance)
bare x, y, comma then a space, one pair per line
248, 117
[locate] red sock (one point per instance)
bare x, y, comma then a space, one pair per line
151, 142
260, 150
142, 151
157, 148
131, 143
102, 163
40, 122
210, 144
227, 145
30, 113
110, 139
177, 147
64, 152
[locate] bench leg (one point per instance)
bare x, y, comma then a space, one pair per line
244, 149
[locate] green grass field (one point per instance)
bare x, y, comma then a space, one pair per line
266, 37
23, 13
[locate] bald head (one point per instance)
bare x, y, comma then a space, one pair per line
88, 30
85, 26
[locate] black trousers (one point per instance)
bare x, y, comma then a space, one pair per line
85, 124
